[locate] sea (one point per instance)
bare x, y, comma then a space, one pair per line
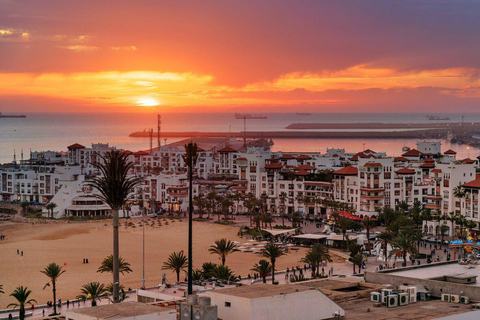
56, 131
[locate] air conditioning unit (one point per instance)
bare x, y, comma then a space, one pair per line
412, 292
204, 312
392, 301
387, 292
375, 297
403, 299
445, 297
464, 299
185, 311
455, 298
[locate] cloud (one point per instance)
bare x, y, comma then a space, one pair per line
80, 48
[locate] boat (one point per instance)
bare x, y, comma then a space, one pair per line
249, 116
436, 118
12, 115
303, 114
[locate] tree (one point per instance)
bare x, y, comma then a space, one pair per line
115, 186
283, 197
263, 268
223, 273
25, 205
358, 260
107, 265
368, 223
384, 239
404, 243
21, 294
223, 248
344, 224
443, 230
201, 203
272, 251
177, 262
122, 296
387, 215
53, 271
315, 256
211, 198
93, 291
50, 207
207, 269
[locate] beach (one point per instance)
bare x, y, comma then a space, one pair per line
69, 243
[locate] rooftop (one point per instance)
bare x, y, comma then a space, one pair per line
435, 271
263, 290
121, 310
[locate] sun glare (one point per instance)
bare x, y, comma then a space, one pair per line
148, 102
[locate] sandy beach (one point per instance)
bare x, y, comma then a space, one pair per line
68, 243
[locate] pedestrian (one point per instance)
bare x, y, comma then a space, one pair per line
10, 317
68, 303
18, 252
43, 313
22, 253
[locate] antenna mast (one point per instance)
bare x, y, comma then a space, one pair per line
159, 122
151, 141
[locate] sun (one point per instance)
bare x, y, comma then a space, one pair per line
148, 102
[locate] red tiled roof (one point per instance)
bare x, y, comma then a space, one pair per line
140, 153
449, 151
227, 149
427, 165
405, 171
199, 149
468, 161
302, 173
347, 171
412, 153
428, 160
76, 146
306, 167
287, 156
127, 152
241, 159
436, 171
368, 151
373, 165
400, 159
274, 166
335, 155
303, 157
473, 184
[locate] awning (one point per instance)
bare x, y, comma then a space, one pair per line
276, 232
310, 236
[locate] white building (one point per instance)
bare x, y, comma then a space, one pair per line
273, 302
123, 311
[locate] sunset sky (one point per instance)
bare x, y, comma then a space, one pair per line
253, 55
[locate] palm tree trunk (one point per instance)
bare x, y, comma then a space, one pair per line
54, 297
116, 254
354, 268
178, 276
273, 271
22, 313
264, 279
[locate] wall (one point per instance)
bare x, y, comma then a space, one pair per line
436, 288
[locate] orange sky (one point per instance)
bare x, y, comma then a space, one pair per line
264, 56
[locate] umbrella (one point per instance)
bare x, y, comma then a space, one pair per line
236, 242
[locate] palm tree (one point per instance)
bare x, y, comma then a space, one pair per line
263, 268
388, 215
359, 259
122, 296
201, 203
250, 203
384, 239
50, 206
53, 271
223, 248
93, 291
344, 224
107, 265
211, 198
443, 230
404, 243
223, 273
25, 205
21, 295
283, 197
115, 187
177, 262
207, 269
368, 223
272, 251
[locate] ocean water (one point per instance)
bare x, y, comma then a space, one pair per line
39, 132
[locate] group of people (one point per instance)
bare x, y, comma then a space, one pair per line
3, 237
85, 260
20, 252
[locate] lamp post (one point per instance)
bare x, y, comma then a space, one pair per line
190, 158
143, 275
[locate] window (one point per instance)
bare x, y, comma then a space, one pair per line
228, 304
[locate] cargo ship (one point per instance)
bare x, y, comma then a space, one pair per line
12, 115
436, 118
249, 116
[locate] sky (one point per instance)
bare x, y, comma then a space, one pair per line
250, 55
